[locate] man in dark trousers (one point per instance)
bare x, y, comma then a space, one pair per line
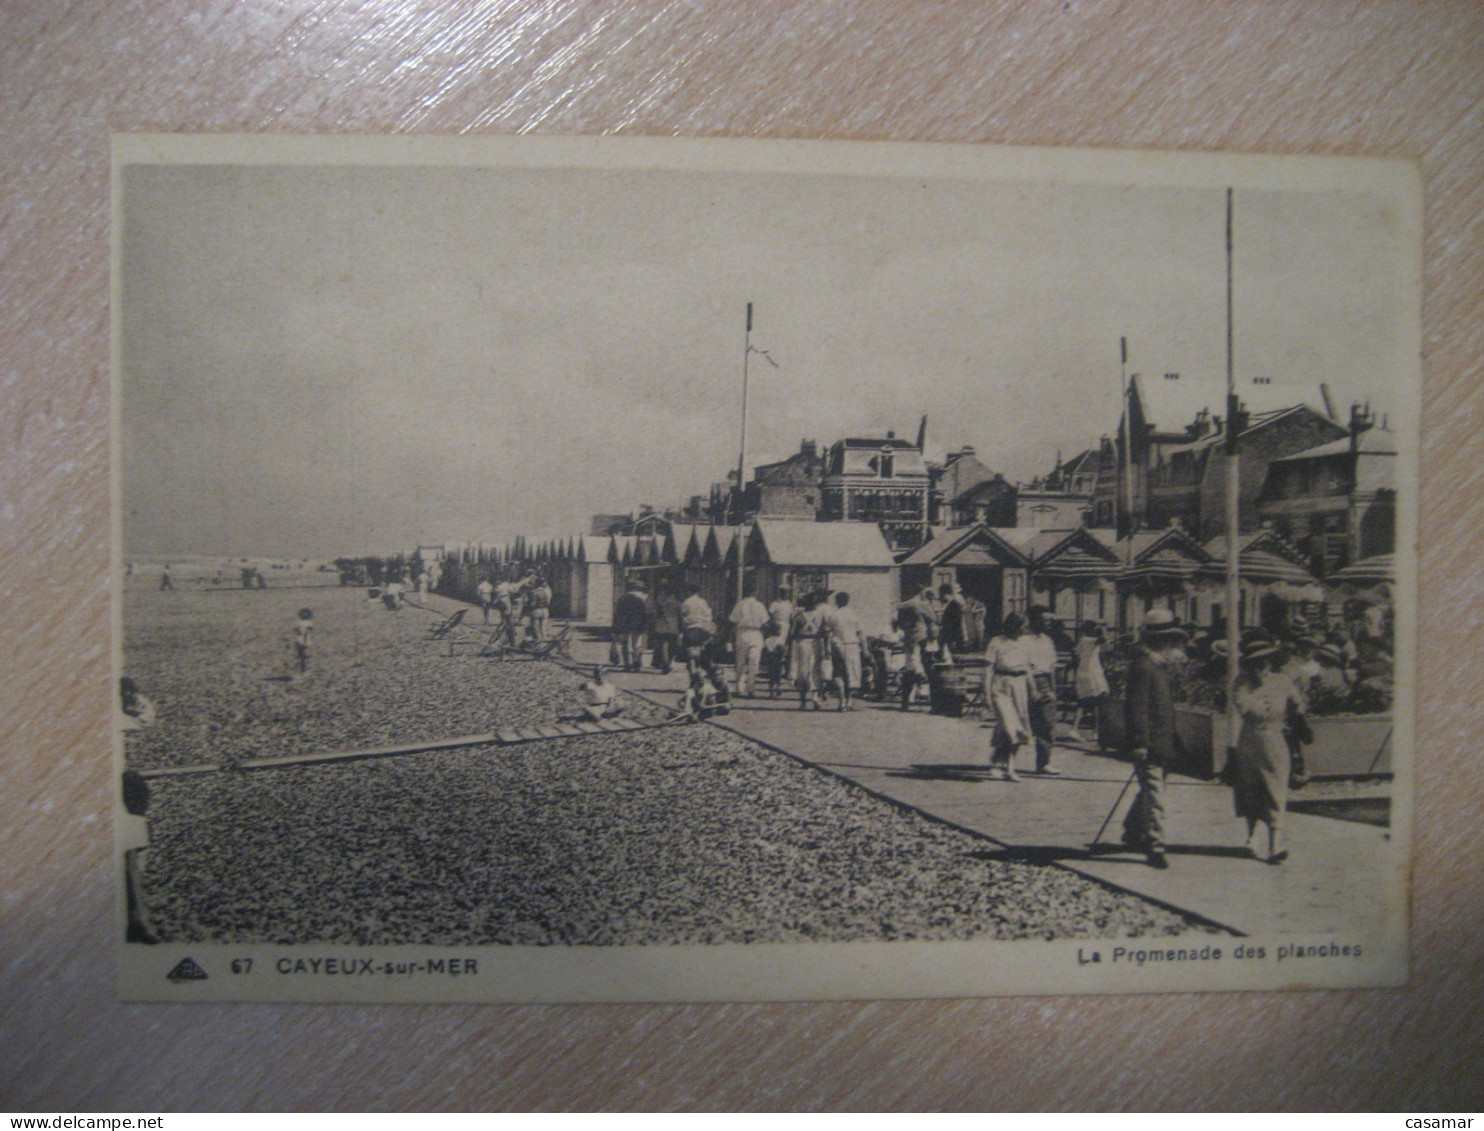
1150, 737
631, 625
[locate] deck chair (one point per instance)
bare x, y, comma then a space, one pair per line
441, 630
484, 644
558, 644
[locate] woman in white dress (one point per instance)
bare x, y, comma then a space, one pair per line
1007, 687
1091, 682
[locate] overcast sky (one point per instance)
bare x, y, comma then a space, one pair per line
325, 360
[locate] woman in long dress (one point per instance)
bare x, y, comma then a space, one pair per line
804, 645
1269, 702
1007, 686
1091, 680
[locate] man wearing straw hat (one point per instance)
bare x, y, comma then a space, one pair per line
1150, 737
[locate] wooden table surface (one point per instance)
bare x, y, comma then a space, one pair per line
1304, 76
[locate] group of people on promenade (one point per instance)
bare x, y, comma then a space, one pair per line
523, 604
818, 644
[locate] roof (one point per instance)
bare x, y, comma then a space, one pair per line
594, 548
1071, 554
682, 534
1263, 557
962, 542
1373, 441
1169, 553
997, 484
822, 544
907, 461
1172, 405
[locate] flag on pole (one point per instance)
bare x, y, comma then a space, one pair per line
749, 317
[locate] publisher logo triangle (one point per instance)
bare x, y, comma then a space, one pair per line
186, 970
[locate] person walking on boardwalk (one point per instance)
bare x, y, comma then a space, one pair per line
631, 624
917, 619
1007, 668
1040, 646
664, 628
697, 628
803, 635
775, 635
1091, 680
846, 638
951, 631
1270, 704
1150, 737
748, 618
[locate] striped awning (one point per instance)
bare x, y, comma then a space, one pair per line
1076, 565
1379, 570
1266, 568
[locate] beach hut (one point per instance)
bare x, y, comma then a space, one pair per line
985, 563
590, 584
1074, 573
1162, 569
833, 556
1275, 582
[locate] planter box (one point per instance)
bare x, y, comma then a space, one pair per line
1344, 745
1349, 746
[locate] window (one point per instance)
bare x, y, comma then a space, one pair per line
809, 580
886, 463
1015, 591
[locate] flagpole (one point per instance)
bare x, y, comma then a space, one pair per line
742, 453
1233, 498
1128, 463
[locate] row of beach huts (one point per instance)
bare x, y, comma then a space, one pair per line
1081, 574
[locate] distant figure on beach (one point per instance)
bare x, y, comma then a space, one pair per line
135, 710
600, 696
165, 582
540, 607
303, 636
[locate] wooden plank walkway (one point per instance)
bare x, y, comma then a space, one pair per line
508, 736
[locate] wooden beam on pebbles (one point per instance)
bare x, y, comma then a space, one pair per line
509, 736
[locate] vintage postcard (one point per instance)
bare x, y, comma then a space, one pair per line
573, 569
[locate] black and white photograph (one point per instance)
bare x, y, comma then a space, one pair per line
579, 569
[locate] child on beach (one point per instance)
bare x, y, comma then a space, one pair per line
303, 634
